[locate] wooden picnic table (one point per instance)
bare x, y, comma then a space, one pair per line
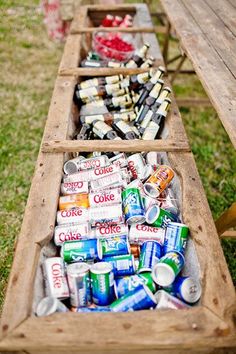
206, 30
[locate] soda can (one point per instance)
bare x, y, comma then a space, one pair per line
102, 282
157, 182
138, 234
151, 252
119, 160
76, 215
79, 284
92, 309
103, 171
82, 250
49, 305
154, 159
73, 201
136, 183
133, 206
110, 230
122, 265
135, 250
167, 301
71, 166
74, 187
83, 176
159, 217
105, 197
168, 267
55, 279
140, 298
70, 232
94, 162
106, 214
125, 284
113, 180
136, 165
148, 202
115, 245
186, 289
176, 236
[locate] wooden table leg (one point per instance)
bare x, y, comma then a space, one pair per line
226, 221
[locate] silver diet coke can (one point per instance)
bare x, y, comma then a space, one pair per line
55, 279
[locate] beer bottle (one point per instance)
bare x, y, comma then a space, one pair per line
138, 57
88, 63
164, 94
149, 86
136, 81
148, 63
149, 101
108, 117
104, 131
113, 103
98, 81
124, 130
84, 132
155, 126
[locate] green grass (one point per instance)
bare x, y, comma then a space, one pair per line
29, 63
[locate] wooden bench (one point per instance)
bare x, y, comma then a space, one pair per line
207, 33
207, 327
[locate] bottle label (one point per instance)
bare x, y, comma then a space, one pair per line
151, 131
113, 64
88, 83
110, 89
131, 64
91, 119
101, 129
164, 93
124, 127
91, 63
142, 78
112, 79
147, 119
89, 92
156, 90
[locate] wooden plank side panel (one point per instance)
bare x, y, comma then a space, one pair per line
131, 332
225, 11
216, 80
216, 32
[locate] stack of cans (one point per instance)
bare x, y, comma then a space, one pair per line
120, 239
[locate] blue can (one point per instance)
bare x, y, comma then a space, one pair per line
133, 206
187, 289
80, 251
115, 245
151, 252
125, 284
176, 236
102, 283
95, 309
122, 265
141, 298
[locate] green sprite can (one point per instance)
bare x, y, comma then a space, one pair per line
159, 217
128, 283
82, 250
168, 267
102, 283
176, 236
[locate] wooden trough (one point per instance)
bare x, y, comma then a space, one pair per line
205, 328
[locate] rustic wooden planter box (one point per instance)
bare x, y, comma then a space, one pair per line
205, 328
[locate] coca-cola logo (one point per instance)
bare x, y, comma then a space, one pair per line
57, 275
70, 236
111, 229
72, 212
133, 169
73, 184
146, 228
90, 164
103, 198
103, 170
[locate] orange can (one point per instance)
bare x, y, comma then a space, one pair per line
135, 250
73, 201
157, 182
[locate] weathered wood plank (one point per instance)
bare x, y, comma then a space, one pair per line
214, 29
114, 145
131, 332
193, 102
231, 235
225, 11
118, 29
101, 71
216, 79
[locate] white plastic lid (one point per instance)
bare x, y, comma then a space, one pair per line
47, 306
163, 274
151, 190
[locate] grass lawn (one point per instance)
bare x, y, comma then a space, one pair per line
29, 63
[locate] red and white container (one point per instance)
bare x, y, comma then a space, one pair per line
77, 215
138, 234
70, 232
106, 197
113, 180
106, 214
55, 279
94, 162
68, 188
110, 230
